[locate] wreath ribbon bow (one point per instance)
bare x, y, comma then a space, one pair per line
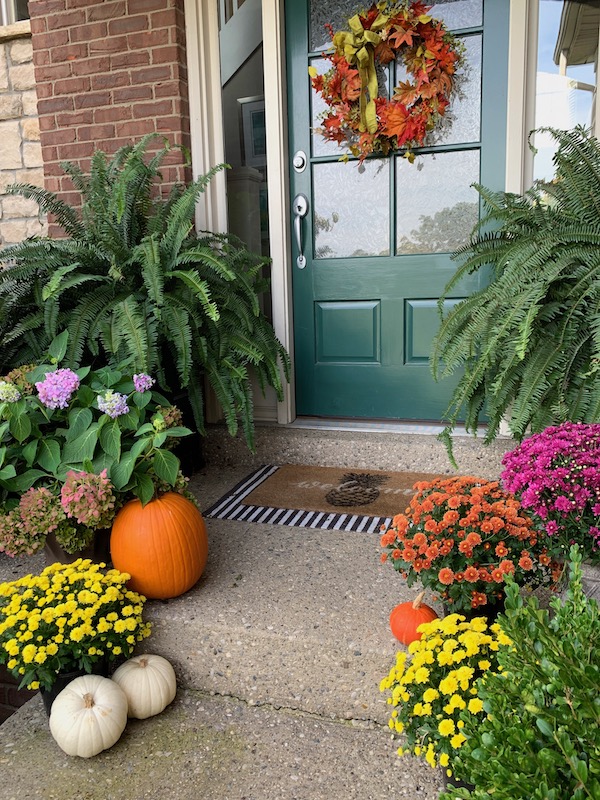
358, 46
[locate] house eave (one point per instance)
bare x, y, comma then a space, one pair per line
578, 33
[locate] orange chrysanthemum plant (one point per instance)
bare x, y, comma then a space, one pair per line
460, 536
387, 34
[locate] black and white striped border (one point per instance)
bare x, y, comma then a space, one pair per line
232, 506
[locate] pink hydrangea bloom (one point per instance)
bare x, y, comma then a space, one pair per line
56, 389
142, 382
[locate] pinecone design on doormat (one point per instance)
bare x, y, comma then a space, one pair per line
356, 489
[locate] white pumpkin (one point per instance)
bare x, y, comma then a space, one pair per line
88, 716
149, 683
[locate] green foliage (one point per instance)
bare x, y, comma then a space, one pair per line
133, 283
529, 340
540, 737
40, 444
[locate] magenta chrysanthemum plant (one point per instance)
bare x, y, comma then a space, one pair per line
556, 475
77, 447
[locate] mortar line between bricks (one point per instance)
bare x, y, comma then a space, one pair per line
362, 721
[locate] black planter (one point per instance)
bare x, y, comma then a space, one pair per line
449, 783
490, 611
98, 551
64, 678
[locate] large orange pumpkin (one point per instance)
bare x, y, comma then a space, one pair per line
406, 618
162, 545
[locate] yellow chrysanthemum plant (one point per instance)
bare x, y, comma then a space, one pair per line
435, 683
69, 617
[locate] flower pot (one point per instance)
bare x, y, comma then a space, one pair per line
453, 782
590, 581
98, 551
64, 678
490, 611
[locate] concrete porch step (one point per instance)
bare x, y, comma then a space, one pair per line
391, 446
279, 651
214, 748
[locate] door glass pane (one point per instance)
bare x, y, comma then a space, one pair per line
462, 122
436, 206
351, 209
325, 12
454, 13
458, 13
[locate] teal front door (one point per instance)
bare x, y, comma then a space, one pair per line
377, 238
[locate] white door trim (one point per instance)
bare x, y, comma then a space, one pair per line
520, 113
206, 110
278, 187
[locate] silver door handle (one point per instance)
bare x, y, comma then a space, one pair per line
300, 208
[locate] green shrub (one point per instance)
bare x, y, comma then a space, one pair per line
540, 739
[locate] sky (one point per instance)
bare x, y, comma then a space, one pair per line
558, 104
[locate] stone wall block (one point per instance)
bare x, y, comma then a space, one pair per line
20, 51
14, 206
30, 128
13, 231
3, 69
10, 145
22, 77
8, 177
11, 106
34, 176
32, 155
29, 99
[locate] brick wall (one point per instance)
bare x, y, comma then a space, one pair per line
20, 150
106, 74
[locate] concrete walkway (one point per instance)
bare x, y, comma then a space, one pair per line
279, 651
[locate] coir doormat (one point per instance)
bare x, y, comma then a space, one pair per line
330, 498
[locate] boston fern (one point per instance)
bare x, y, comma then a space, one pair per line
529, 340
133, 283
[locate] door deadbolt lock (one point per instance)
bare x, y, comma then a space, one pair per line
299, 161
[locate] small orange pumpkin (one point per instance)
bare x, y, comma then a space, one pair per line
162, 545
406, 618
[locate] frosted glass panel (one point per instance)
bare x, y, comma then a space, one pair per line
454, 13
323, 12
351, 214
462, 122
459, 13
436, 206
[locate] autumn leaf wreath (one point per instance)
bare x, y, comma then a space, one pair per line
359, 116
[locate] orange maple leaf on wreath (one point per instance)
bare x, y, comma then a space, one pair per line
395, 119
406, 93
384, 53
399, 36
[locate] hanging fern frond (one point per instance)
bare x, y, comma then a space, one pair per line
529, 341
133, 283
